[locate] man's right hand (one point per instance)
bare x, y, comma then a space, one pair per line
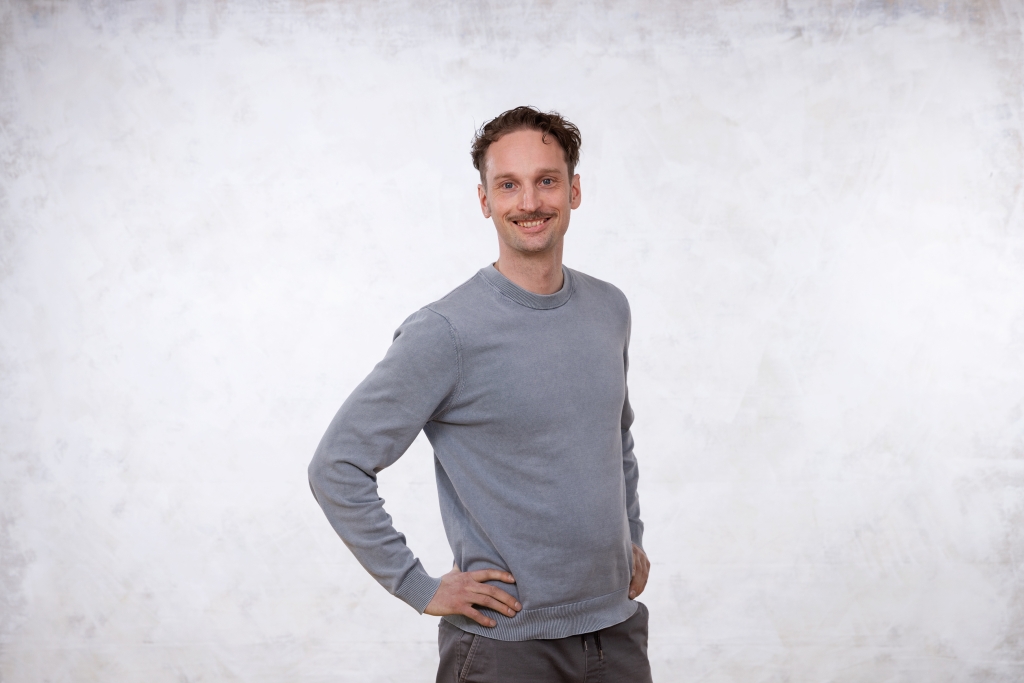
460, 591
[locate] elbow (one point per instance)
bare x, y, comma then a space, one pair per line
317, 473
334, 477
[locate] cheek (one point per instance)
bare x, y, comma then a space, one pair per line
502, 205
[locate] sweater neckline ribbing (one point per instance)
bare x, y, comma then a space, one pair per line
526, 298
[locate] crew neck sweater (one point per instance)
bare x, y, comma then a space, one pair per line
523, 398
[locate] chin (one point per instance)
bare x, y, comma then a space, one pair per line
534, 246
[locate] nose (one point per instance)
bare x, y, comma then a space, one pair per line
528, 200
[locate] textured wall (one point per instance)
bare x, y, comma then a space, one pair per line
213, 216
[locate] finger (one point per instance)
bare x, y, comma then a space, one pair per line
480, 618
491, 603
639, 581
498, 595
637, 585
491, 575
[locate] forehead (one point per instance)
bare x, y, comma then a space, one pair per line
524, 153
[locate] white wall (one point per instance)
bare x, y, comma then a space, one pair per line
213, 216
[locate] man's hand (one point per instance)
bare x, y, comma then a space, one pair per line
641, 568
459, 591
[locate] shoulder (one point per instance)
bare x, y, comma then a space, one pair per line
424, 326
425, 340
464, 299
439, 319
592, 288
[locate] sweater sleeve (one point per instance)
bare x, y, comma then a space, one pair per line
629, 465
415, 382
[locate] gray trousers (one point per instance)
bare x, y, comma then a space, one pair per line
617, 654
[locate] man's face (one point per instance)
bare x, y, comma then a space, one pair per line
528, 192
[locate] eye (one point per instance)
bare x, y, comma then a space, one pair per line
547, 181
507, 185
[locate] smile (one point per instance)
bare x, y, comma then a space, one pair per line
532, 223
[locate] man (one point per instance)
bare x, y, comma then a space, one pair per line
518, 379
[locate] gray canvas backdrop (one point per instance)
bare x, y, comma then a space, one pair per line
214, 215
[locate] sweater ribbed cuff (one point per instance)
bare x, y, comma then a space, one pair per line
418, 588
636, 533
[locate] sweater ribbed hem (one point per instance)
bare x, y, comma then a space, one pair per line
526, 298
558, 621
417, 589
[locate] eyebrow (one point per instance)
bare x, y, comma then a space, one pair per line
543, 171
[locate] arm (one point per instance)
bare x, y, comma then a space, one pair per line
415, 383
631, 473
377, 423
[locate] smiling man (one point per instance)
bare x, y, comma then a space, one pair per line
518, 379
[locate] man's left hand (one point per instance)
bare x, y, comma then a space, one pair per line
641, 568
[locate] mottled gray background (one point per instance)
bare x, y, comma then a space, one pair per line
213, 216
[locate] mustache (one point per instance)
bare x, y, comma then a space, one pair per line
536, 216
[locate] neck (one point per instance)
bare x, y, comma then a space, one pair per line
540, 273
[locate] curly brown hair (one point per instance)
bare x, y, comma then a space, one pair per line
529, 118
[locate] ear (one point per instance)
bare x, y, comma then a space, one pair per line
484, 206
574, 192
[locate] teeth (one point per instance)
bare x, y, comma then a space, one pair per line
530, 224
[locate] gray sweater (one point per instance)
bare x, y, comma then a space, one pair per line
523, 398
